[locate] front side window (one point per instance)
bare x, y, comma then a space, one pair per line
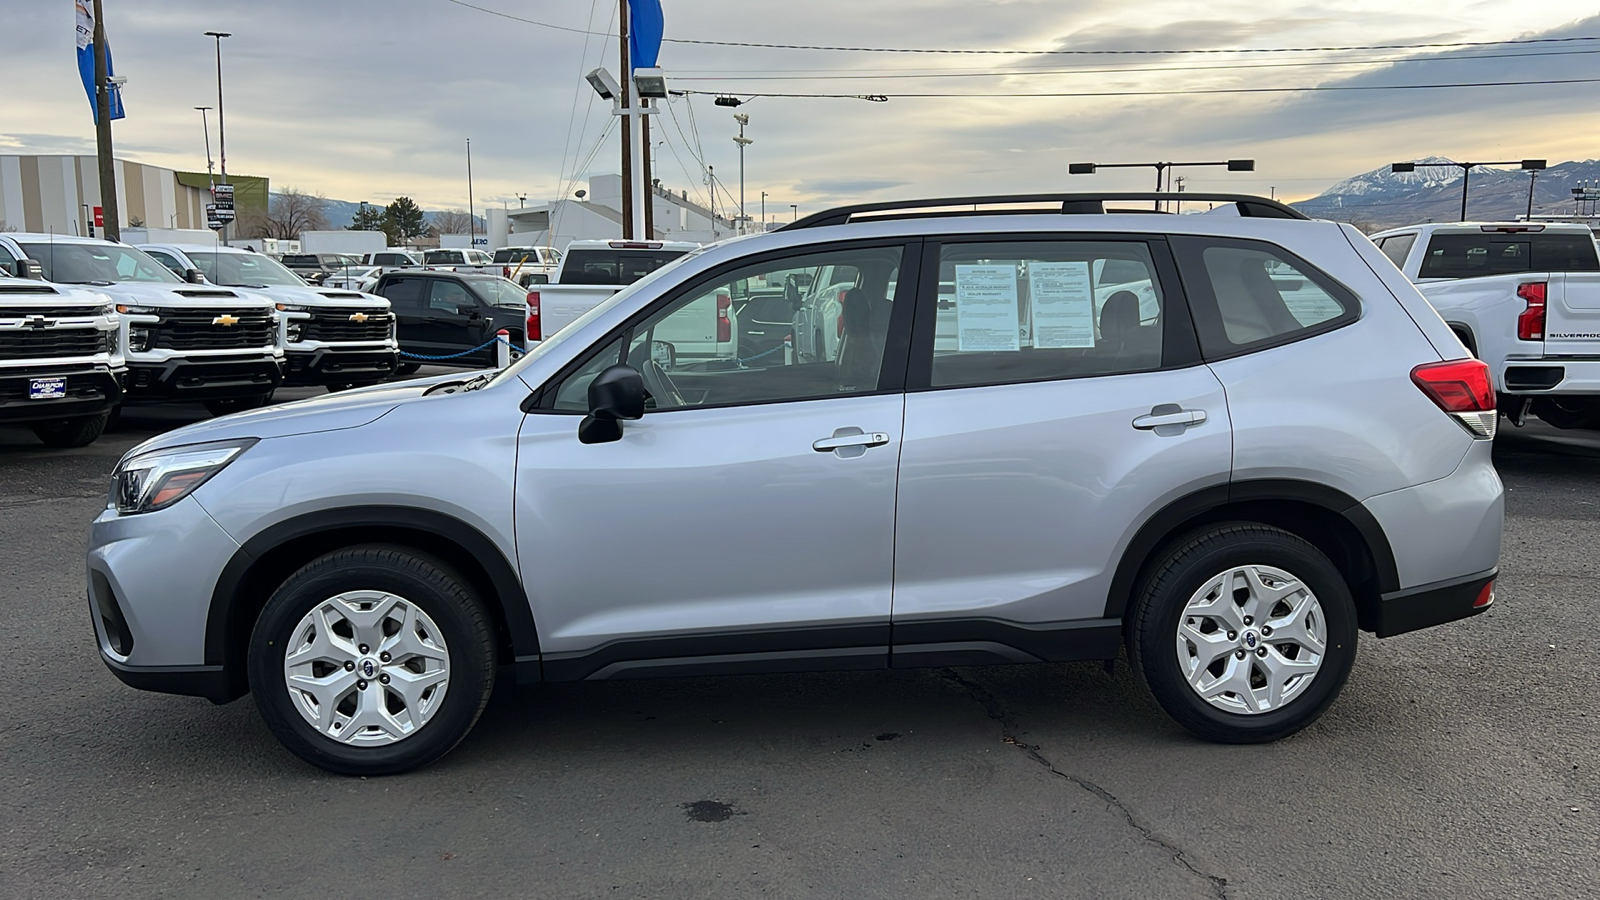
449, 296
8, 262
1037, 310
1250, 294
168, 260
728, 340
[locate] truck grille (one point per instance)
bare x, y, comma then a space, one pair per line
49, 343
203, 329
49, 312
335, 325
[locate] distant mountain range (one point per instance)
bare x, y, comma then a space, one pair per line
1384, 199
341, 213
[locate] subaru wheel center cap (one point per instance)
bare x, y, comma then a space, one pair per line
367, 668
1250, 640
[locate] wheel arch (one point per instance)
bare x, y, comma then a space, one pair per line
1331, 520
264, 561
1464, 332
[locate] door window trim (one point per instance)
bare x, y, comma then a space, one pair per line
892, 371
1180, 345
1189, 250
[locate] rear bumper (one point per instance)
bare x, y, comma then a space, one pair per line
88, 393
1434, 604
208, 378
1551, 375
329, 365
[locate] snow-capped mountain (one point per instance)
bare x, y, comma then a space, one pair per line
1384, 199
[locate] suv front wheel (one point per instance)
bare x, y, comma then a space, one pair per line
372, 661
1243, 633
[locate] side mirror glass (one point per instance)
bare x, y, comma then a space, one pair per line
30, 268
470, 310
615, 394
194, 276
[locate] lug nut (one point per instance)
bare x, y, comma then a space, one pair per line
1262, 652
349, 666
1233, 635
361, 685
363, 647
384, 656
1247, 620
1239, 654
384, 678
1266, 630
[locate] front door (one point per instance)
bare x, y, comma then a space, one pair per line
454, 322
1055, 401
745, 523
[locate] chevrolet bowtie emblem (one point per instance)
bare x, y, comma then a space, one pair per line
358, 317
225, 320
35, 322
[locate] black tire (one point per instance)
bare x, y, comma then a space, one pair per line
434, 589
78, 431
1567, 414
1183, 570
405, 369
228, 405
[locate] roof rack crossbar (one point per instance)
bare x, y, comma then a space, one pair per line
1064, 204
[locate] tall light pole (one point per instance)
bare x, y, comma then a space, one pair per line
743, 142
205, 128
1163, 169
102, 116
795, 209
471, 214
763, 211
222, 132
1528, 165
1533, 176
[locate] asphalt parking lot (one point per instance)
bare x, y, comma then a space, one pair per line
1459, 762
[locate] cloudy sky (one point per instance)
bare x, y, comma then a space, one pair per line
370, 99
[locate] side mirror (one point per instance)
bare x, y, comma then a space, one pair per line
30, 268
470, 310
194, 276
664, 354
615, 394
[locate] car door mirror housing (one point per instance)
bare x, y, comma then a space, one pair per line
30, 268
615, 394
194, 276
470, 310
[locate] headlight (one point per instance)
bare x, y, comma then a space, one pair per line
109, 309
134, 310
160, 478
290, 307
293, 332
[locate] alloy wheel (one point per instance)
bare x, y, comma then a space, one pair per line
1251, 639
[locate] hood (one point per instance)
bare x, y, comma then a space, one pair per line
329, 412
313, 296
140, 293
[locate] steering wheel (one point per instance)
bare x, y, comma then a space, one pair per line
660, 386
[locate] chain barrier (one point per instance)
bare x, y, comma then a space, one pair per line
515, 349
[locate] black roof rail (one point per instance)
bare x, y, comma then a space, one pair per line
1064, 204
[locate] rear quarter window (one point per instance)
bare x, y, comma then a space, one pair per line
1250, 295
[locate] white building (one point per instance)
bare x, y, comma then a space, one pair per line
598, 216
59, 193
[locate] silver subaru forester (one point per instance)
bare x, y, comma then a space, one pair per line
1024, 429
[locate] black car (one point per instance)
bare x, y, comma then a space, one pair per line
442, 316
316, 267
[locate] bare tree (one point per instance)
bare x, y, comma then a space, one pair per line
6, 227
453, 221
294, 212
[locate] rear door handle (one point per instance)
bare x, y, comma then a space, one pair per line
869, 439
1169, 414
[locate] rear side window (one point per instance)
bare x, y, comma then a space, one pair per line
1470, 255
406, 293
1042, 310
1397, 248
1247, 295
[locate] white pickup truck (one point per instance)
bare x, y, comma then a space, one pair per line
1525, 298
590, 272
463, 260
528, 265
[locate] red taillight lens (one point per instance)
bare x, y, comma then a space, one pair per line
1485, 596
505, 271
534, 329
724, 326
1459, 385
1530, 323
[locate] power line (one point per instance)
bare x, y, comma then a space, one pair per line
845, 74
1265, 90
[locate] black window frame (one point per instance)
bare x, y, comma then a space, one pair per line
896, 350
1180, 347
1410, 236
1188, 251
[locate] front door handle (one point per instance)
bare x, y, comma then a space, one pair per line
1169, 414
858, 439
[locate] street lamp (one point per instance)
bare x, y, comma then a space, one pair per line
1528, 165
763, 211
743, 142
795, 208
1163, 169
222, 133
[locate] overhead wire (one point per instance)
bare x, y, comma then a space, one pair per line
1187, 91
564, 184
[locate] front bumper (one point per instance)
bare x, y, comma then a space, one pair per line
89, 392
336, 365
1558, 375
204, 378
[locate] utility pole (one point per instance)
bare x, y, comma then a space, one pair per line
472, 216
763, 211
205, 128
222, 129
102, 129
627, 122
1533, 176
743, 142
647, 191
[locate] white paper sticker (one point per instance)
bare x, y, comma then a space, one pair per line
1061, 300
986, 308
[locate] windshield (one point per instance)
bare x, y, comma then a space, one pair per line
243, 270
501, 292
549, 344
97, 264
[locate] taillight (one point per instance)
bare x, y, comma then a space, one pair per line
724, 327
1461, 387
505, 271
534, 332
1530, 323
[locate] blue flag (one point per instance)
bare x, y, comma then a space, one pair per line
86, 63
645, 26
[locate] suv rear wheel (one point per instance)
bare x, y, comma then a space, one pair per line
1243, 633
372, 661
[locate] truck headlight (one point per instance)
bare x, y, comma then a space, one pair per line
138, 339
160, 478
134, 310
109, 309
290, 307
293, 332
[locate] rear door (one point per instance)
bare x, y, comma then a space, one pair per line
1048, 416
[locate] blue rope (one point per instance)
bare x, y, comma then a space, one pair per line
780, 346
466, 352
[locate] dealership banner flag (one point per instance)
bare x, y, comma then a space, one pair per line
86, 62
644, 32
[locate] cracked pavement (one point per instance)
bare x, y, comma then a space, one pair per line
1458, 762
